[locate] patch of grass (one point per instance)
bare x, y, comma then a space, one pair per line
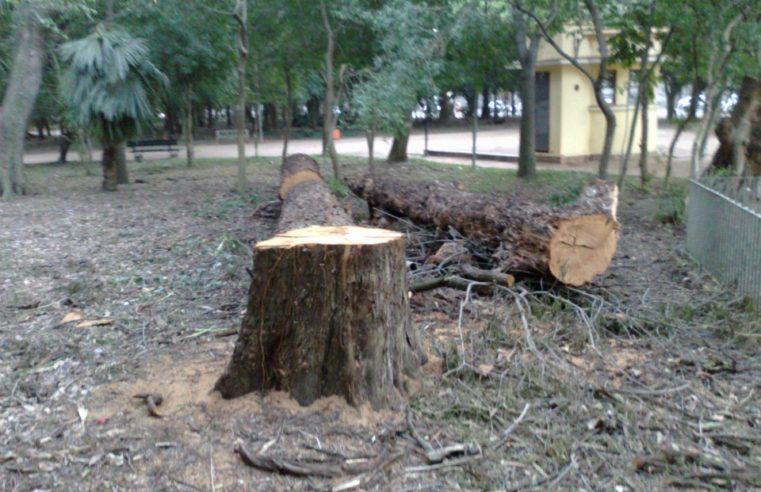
219, 208
672, 205
339, 188
564, 197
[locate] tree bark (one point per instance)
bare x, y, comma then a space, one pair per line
721, 54
485, 111
697, 88
527, 59
241, 16
67, 137
328, 312
398, 152
572, 244
187, 128
644, 173
370, 135
110, 152
673, 89
446, 111
630, 140
736, 139
288, 112
474, 136
122, 174
329, 118
20, 95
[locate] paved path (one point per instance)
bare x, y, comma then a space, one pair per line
501, 140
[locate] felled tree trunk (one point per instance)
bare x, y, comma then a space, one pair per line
328, 312
571, 244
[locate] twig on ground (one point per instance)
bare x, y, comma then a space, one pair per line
444, 464
365, 479
509, 430
152, 401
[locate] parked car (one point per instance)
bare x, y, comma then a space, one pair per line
420, 112
726, 105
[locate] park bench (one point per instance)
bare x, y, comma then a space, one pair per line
139, 147
227, 134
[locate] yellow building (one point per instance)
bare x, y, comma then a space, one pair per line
569, 124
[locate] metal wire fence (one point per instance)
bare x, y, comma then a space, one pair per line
724, 230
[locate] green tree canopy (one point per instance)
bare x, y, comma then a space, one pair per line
108, 83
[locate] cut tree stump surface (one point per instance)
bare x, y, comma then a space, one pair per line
324, 235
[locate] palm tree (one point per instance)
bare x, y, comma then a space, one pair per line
107, 87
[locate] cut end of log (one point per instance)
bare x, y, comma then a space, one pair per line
583, 247
330, 235
583, 244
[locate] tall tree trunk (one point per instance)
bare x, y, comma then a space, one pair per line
672, 91
735, 133
610, 130
744, 118
630, 140
644, 173
445, 113
187, 128
313, 112
288, 110
485, 111
241, 15
209, 117
20, 94
398, 152
259, 126
110, 155
270, 117
527, 145
84, 148
370, 134
697, 88
721, 53
597, 82
122, 175
474, 133
67, 136
329, 121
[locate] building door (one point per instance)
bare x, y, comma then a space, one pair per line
542, 112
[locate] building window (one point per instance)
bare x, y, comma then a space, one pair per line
609, 88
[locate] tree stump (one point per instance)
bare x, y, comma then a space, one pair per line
328, 312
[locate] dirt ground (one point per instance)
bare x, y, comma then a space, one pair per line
647, 379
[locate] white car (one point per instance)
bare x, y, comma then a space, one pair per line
727, 104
